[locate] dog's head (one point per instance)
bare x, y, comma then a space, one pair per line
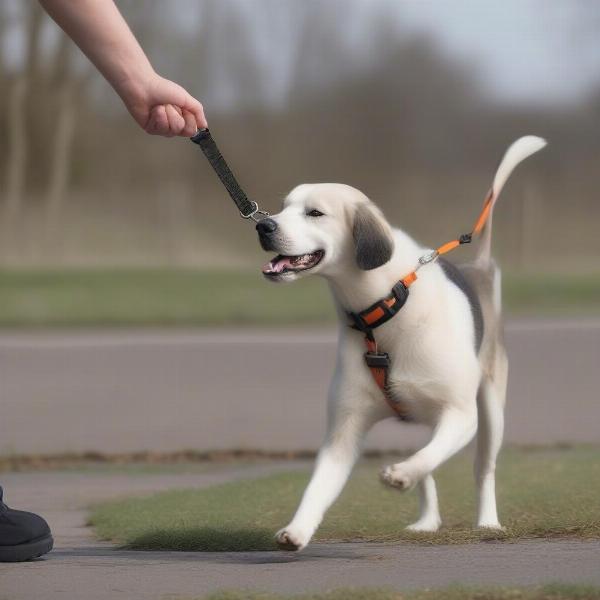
325, 228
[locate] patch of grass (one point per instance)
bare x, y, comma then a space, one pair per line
551, 294
138, 297
545, 592
157, 297
542, 493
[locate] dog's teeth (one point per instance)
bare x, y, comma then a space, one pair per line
282, 263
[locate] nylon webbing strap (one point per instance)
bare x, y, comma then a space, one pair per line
208, 146
379, 365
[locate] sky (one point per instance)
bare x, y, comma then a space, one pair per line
528, 50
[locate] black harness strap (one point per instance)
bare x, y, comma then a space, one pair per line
248, 208
381, 311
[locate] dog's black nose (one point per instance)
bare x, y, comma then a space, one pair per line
266, 226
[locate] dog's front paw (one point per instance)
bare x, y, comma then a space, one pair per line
291, 539
398, 476
426, 525
490, 525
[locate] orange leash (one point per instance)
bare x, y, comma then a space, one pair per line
466, 238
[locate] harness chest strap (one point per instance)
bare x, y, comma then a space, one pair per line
383, 310
379, 365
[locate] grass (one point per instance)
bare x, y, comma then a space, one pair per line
545, 592
551, 294
139, 297
542, 493
156, 297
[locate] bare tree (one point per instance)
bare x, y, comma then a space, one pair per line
17, 117
17, 154
68, 87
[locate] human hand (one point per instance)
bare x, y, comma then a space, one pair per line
161, 107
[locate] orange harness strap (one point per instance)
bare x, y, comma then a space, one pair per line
379, 365
383, 310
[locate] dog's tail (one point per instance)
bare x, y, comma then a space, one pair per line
517, 152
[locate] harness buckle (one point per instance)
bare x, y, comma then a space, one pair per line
377, 360
357, 322
255, 211
400, 292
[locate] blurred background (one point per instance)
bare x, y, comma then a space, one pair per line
413, 102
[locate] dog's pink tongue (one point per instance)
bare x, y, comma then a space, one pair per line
277, 265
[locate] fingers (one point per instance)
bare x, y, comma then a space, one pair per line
192, 105
189, 122
158, 123
176, 120
191, 126
168, 120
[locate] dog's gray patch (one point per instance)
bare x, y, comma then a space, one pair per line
453, 273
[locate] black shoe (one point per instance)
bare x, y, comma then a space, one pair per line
23, 535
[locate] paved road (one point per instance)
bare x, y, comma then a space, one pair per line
81, 567
165, 390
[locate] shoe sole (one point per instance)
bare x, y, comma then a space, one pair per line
28, 551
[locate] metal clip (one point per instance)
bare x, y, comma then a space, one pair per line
427, 258
255, 211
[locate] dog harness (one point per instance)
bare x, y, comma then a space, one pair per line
367, 320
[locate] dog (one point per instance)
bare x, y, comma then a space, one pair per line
448, 362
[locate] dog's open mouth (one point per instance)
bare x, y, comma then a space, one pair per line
284, 264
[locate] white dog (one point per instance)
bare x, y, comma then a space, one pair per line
447, 363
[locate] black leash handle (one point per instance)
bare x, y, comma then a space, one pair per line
248, 208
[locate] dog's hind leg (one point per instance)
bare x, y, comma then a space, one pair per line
454, 430
490, 404
429, 519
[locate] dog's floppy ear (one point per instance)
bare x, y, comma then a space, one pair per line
372, 237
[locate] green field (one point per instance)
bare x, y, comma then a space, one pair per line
139, 297
155, 297
545, 592
542, 493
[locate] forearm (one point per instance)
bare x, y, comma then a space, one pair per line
98, 28
159, 106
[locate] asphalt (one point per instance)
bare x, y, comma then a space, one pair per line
120, 391
82, 567
164, 390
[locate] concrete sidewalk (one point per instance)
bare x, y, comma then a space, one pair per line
81, 567
122, 391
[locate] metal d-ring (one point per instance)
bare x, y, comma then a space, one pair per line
255, 211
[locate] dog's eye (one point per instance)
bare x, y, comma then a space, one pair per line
314, 213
